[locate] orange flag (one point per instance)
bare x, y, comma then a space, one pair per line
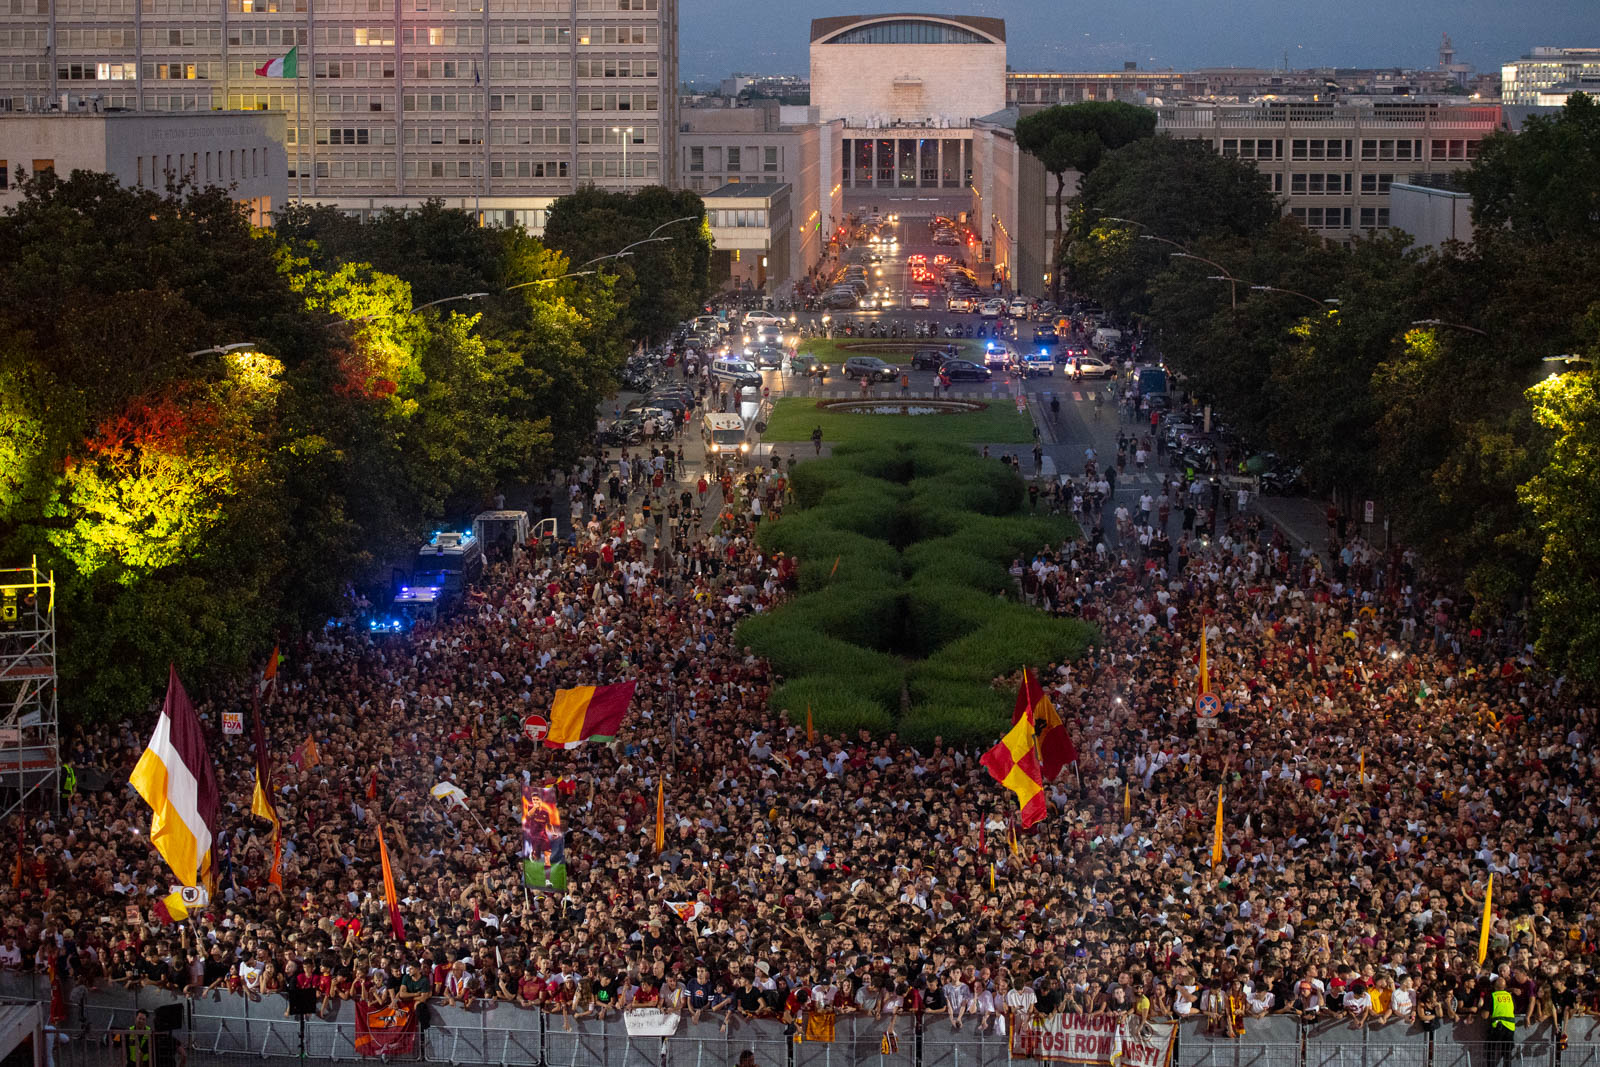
1216, 835
661, 814
811, 730
389, 895
1488, 918
1361, 767
1127, 801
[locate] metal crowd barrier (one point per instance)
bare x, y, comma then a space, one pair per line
220, 1029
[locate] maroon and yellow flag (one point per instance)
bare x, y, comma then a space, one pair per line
1056, 749
1014, 764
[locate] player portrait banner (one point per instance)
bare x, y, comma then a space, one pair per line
1070, 1037
544, 849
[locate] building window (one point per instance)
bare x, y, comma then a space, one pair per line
908, 31
733, 158
697, 160
1376, 183
42, 165
769, 160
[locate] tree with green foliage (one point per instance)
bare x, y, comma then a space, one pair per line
1564, 498
1544, 182
1179, 191
1076, 137
659, 284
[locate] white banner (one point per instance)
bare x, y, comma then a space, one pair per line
1093, 1039
650, 1022
233, 722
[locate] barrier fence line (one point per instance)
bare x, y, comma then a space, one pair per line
221, 1027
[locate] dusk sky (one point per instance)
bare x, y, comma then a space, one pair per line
771, 36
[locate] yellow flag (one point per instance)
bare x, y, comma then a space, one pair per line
1205, 673
1127, 801
1015, 851
661, 814
1483, 932
1361, 767
1216, 835
991, 878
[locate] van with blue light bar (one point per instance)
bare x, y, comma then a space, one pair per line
448, 564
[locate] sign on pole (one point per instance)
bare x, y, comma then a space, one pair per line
1206, 709
1369, 511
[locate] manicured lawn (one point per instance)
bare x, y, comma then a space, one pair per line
891, 349
794, 417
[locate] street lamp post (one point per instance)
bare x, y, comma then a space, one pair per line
223, 350
547, 281
419, 307
1293, 292
673, 222
1451, 325
1233, 283
627, 135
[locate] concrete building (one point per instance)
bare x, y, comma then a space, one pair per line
241, 151
1432, 212
1334, 163
1030, 90
1546, 76
502, 105
907, 87
751, 226
1010, 206
768, 143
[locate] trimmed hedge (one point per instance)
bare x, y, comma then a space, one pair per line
907, 611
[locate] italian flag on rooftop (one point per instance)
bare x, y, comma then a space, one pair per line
287, 66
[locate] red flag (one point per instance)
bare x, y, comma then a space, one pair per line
388, 1032
388, 890
983, 841
1056, 749
372, 786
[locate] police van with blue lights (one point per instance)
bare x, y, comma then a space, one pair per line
444, 568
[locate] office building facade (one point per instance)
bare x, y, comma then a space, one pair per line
1545, 77
499, 105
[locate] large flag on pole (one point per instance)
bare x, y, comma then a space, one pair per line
1014, 763
661, 814
1056, 749
1488, 914
175, 777
1205, 672
261, 803
389, 896
285, 66
1216, 833
587, 713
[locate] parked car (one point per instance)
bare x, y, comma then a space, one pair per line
1035, 363
964, 370
752, 319
871, 368
993, 308
929, 358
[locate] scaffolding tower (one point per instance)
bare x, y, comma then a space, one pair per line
30, 736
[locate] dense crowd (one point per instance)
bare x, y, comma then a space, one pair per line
1379, 756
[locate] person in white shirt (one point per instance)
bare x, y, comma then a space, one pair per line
957, 998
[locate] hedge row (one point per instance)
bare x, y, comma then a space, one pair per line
906, 611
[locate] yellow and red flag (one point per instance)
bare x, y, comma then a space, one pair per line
1014, 763
1205, 672
1216, 834
661, 814
1056, 749
389, 896
587, 713
1488, 917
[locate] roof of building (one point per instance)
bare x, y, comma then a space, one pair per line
747, 190
989, 27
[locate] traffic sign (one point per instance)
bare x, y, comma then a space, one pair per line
535, 728
1206, 705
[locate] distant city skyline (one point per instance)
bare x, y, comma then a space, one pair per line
719, 37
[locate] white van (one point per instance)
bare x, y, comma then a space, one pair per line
1106, 338
724, 434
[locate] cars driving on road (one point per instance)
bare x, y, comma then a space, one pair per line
964, 370
871, 368
736, 372
1089, 367
929, 358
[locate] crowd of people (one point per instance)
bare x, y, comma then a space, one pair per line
1378, 758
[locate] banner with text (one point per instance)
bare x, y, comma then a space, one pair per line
1068, 1037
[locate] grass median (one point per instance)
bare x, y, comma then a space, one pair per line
794, 417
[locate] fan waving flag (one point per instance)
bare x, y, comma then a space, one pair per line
175, 777
1015, 765
285, 66
587, 713
1056, 749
